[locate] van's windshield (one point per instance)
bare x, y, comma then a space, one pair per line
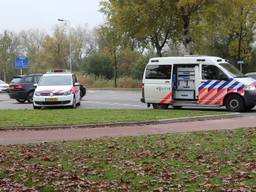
233, 71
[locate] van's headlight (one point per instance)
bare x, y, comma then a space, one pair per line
250, 88
67, 92
37, 93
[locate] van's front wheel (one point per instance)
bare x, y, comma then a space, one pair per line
234, 103
160, 106
74, 102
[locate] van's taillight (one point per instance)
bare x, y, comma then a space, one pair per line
18, 86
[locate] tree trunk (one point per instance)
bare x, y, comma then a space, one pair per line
187, 39
159, 51
115, 68
5, 76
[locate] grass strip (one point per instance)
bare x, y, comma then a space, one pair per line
50, 117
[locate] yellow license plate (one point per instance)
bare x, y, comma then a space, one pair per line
51, 99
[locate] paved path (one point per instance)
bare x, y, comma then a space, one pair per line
32, 136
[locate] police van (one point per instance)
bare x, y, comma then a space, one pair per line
196, 81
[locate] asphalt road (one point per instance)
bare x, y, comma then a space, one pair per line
93, 99
96, 99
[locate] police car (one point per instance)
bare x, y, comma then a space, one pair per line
57, 88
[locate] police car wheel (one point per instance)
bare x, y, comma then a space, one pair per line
30, 96
235, 103
74, 103
160, 106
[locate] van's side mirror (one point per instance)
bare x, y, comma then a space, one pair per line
35, 85
76, 84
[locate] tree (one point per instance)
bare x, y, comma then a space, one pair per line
32, 42
127, 58
99, 65
230, 32
151, 21
186, 11
139, 66
111, 46
7, 55
83, 43
55, 51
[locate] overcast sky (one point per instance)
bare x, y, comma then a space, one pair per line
17, 15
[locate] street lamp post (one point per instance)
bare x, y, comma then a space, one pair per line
69, 57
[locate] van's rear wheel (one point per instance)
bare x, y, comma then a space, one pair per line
160, 106
234, 103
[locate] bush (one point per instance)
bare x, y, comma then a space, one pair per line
93, 81
139, 66
99, 65
127, 82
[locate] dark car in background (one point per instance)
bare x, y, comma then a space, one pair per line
22, 87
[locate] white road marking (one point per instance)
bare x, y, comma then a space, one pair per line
114, 104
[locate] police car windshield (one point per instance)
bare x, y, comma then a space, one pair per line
233, 71
53, 80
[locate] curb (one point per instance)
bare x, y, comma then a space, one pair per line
162, 121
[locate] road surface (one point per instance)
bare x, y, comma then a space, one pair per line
93, 99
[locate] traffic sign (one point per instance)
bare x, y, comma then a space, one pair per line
21, 62
241, 62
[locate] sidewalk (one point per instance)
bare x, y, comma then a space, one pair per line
33, 136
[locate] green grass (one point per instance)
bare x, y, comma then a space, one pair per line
21, 118
202, 161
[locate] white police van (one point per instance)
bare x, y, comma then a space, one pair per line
196, 81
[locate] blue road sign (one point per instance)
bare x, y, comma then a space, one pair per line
21, 62
241, 62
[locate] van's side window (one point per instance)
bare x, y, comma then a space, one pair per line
158, 72
212, 72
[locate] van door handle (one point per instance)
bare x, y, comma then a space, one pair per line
167, 82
